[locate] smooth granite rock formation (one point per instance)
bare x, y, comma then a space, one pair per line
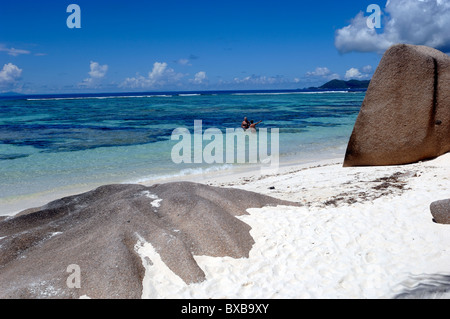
98, 231
405, 116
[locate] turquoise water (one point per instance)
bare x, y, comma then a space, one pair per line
51, 143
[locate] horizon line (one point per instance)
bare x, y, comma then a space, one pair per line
13, 94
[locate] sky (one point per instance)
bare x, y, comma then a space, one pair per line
145, 46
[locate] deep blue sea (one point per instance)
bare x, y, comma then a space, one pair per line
56, 143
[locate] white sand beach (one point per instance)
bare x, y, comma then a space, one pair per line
361, 232
364, 232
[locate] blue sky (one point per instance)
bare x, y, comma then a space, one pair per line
125, 46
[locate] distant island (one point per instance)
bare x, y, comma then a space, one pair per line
341, 84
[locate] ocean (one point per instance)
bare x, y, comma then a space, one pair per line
58, 143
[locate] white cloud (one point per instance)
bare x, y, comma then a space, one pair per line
96, 73
260, 80
160, 75
199, 78
367, 69
323, 73
354, 73
135, 82
13, 51
255, 81
319, 72
183, 62
358, 37
9, 76
158, 71
420, 22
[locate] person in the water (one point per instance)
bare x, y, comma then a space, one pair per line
253, 125
245, 124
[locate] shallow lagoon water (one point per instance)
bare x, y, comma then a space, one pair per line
51, 143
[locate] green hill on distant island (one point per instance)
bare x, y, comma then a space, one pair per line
341, 84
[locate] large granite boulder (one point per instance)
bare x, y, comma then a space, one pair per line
98, 231
405, 116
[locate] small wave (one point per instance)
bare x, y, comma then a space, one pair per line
57, 98
289, 93
184, 172
97, 97
325, 92
129, 96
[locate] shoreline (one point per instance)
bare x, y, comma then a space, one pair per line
228, 176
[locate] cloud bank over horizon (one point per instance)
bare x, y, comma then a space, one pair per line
419, 22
